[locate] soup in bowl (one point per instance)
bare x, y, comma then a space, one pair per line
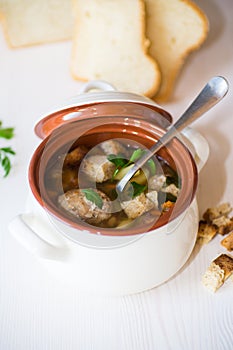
74, 172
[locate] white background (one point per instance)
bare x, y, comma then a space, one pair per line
38, 312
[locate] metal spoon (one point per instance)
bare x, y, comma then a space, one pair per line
209, 96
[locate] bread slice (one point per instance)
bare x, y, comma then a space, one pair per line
30, 22
109, 44
174, 28
218, 271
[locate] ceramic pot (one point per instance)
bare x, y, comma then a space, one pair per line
111, 261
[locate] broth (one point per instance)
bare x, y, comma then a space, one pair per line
82, 183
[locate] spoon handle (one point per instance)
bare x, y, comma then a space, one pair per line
210, 95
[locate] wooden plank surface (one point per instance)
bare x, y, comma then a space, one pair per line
38, 312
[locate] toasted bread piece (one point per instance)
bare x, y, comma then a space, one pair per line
228, 242
214, 213
30, 22
225, 225
109, 43
137, 206
174, 28
206, 232
98, 168
225, 262
213, 278
218, 271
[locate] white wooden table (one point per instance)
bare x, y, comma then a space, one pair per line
37, 312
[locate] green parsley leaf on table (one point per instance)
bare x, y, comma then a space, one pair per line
6, 152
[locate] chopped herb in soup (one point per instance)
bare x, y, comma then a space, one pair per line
85, 188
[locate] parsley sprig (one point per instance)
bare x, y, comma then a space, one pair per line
6, 152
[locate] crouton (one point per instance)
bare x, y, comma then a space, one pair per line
98, 168
156, 182
213, 213
224, 224
228, 242
206, 232
153, 197
137, 206
217, 273
172, 189
213, 277
225, 262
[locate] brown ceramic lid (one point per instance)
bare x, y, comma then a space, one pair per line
92, 104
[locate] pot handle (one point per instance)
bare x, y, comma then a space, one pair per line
31, 240
197, 145
97, 84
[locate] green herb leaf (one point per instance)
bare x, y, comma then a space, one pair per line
6, 164
6, 133
138, 153
137, 188
5, 160
118, 160
93, 196
7, 150
152, 166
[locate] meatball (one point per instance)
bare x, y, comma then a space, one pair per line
74, 157
76, 203
112, 147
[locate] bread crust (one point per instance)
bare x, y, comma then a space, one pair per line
168, 81
145, 48
153, 87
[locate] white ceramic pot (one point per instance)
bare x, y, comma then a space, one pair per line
102, 262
